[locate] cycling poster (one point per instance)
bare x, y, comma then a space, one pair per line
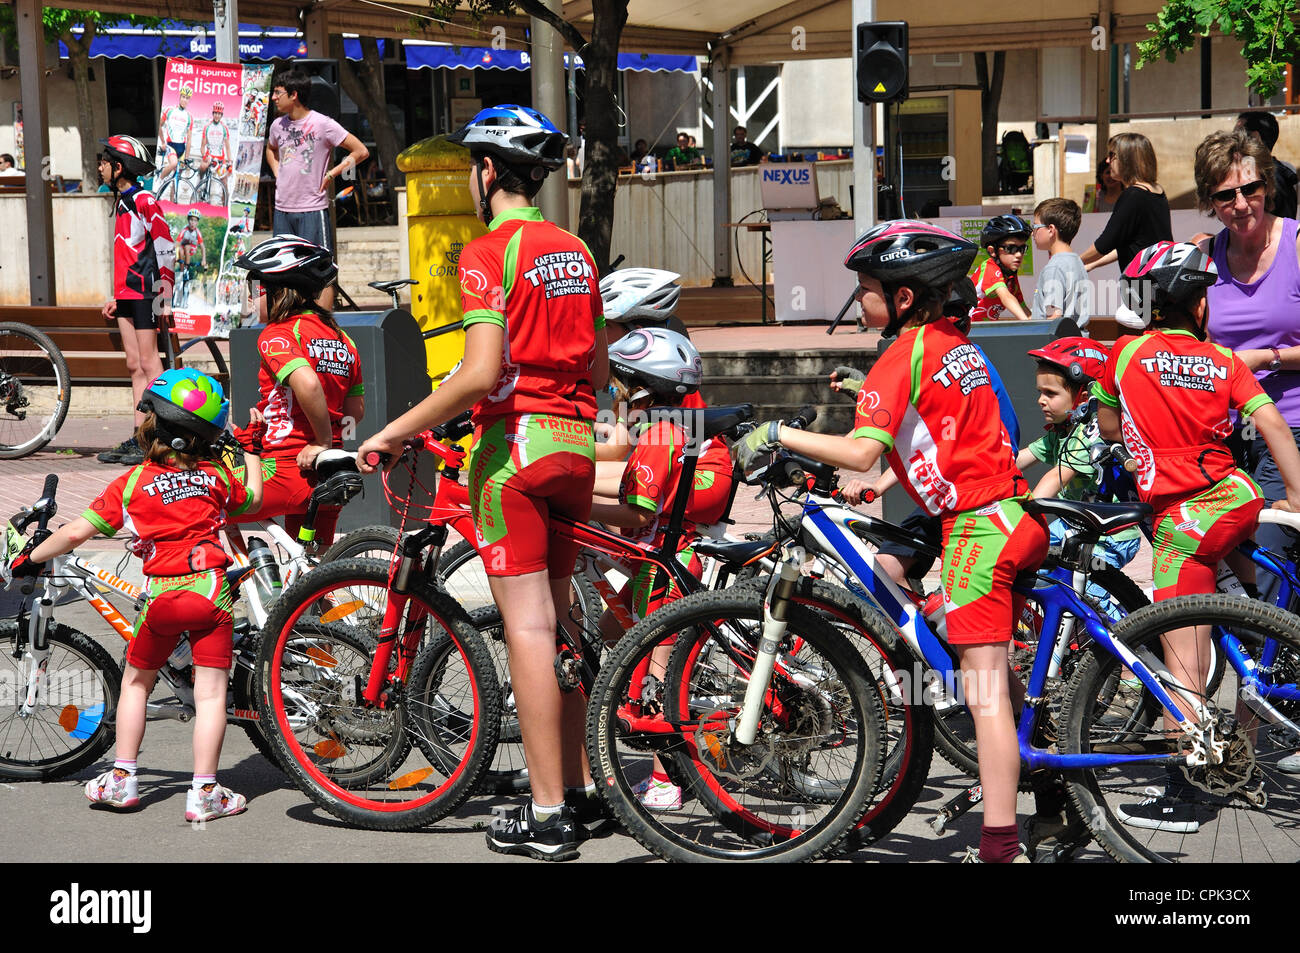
209, 160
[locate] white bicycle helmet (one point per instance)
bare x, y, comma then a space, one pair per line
656, 362
1160, 275
292, 262
647, 294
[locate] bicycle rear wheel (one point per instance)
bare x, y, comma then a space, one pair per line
792, 795
1242, 808
35, 390
357, 761
72, 722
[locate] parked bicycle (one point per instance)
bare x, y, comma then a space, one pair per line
35, 390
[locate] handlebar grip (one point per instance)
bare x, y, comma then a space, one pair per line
1131, 465
51, 485
47, 493
804, 419
869, 496
374, 458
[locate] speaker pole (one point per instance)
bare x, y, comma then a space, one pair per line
864, 140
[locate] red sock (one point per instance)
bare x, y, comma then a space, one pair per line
999, 845
659, 777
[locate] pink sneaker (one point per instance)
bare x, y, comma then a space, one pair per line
204, 805
658, 795
114, 790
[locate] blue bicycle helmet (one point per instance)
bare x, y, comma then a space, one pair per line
521, 139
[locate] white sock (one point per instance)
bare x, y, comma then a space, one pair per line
201, 779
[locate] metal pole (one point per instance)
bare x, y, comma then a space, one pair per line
225, 26
720, 76
547, 76
864, 137
36, 151
1104, 10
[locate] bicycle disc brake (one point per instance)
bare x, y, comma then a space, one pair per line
714, 749
1237, 770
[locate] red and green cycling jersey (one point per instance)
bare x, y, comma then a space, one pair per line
172, 513
1174, 393
988, 278
652, 471
539, 283
929, 399
304, 341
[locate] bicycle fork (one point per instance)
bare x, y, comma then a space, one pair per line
776, 605
398, 590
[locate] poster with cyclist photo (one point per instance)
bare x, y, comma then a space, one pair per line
199, 167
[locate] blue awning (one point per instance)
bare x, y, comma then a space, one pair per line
436, 56
197, 42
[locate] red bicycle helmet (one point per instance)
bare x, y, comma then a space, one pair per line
1160, 275
130, 152
1080, 359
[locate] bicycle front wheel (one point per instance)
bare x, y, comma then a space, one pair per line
35, 390
70, 722
371, 766
1238, 807
792, 795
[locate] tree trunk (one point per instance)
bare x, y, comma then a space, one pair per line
600, 169
990, 97
79, 58
363, 81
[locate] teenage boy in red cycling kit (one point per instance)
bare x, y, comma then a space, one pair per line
143, 273
534, 354
1168, 394
928, 404
173, 505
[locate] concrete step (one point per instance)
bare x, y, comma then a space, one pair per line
761, 365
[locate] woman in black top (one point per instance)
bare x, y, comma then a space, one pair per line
1141, 215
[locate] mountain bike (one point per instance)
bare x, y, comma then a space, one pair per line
35, 390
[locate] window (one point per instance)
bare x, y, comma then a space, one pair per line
130, 86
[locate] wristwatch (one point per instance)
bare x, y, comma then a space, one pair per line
1276, 363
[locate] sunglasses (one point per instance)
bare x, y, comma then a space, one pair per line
1013, 249
1037, 227
1228, 196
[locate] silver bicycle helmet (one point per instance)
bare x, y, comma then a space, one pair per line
1162, 275
292, 262
646, 294
657, 362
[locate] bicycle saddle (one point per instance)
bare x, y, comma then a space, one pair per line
1098, 518
715, 421
387, 287
734, 552
337, 478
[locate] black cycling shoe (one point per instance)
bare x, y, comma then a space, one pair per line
519, 833
592, 814
115, 455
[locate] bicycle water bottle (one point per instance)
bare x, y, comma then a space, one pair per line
936, 614
266, 573
181, 656
1227, 582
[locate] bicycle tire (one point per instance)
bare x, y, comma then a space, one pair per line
954, 730
728, 799
1253, 821
309, 702
83, 680
23, 385
243, 691
368, 542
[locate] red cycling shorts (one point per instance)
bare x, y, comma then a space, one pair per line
522, 470
199, 604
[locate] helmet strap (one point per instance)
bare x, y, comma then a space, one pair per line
484, 194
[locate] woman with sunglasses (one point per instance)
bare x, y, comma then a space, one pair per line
1141, 216
1253, 303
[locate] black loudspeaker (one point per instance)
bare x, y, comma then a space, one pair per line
324, 94
882, 62
391, 349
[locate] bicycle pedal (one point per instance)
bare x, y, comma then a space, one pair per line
568, 670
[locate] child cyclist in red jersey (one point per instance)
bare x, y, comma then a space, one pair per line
928, 404
309, 378
1168, 394
174, 504
660, 368
534, 356
1006, 239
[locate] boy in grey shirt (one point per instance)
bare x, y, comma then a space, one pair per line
1062, 290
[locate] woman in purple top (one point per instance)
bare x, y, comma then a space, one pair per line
1255, 305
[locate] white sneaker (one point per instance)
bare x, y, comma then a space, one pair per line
113, 790
658, 795
1290, 764
204, 805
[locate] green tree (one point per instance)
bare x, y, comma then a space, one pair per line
990, 84
600, 60
1266, 29
62, 25
363, 81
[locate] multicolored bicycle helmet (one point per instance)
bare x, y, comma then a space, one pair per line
193, 213
645, 294
290, 262
521, 138
1166, 273
917, 254
662, 363
130, 152
1002, 227
186, 404
1080, 359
